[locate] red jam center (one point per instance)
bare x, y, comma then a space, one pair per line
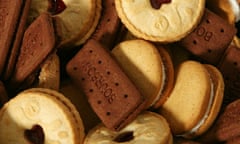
35, 135
56, 6
157, 3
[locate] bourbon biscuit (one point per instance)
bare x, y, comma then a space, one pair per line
9, 14
211, 37
108, 25
110, 93
230, 68
38, 43
16, 44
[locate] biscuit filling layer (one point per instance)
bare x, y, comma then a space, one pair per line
205, 116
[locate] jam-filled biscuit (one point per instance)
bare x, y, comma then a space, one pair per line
40, 116
148, 127
162, 22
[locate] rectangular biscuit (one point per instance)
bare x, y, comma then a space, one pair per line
110, 93
210, 38
230, 68
9, 17
16, 42
38, 42
108, 26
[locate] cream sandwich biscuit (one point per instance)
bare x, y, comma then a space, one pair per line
148, 127
149, 67
111, 94
40, 116
195, 100
167, 21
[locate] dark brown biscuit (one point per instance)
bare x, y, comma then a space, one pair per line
109, 25
110, 93
227, 126
9, 14
3, 94
230, 68
210, 39
13, 53
38, 43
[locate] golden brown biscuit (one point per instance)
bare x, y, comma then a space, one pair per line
195, 99
147, 66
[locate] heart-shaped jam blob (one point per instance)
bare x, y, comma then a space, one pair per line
35, 135
56, 6
124, 137
157, 3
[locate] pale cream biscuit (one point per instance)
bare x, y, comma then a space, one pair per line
40, 115
171, 22
49, 76
148, 127
144, 65
75, 23
195, 99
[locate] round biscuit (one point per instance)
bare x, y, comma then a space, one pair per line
46, 108
169, 23
143, 64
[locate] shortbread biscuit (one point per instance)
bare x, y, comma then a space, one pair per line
40, 116
169, 23
147, 67
148, 127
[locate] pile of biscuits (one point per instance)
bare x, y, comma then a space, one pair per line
119, 71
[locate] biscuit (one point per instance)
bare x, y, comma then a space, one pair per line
108, 26
148, 127
147, 67
227, 9
3, 94
195, 100
78, 98
171, 22
16, 44
230, 68
10, 13
40, 116
113, 97
210, 39
38, 42
226, 128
